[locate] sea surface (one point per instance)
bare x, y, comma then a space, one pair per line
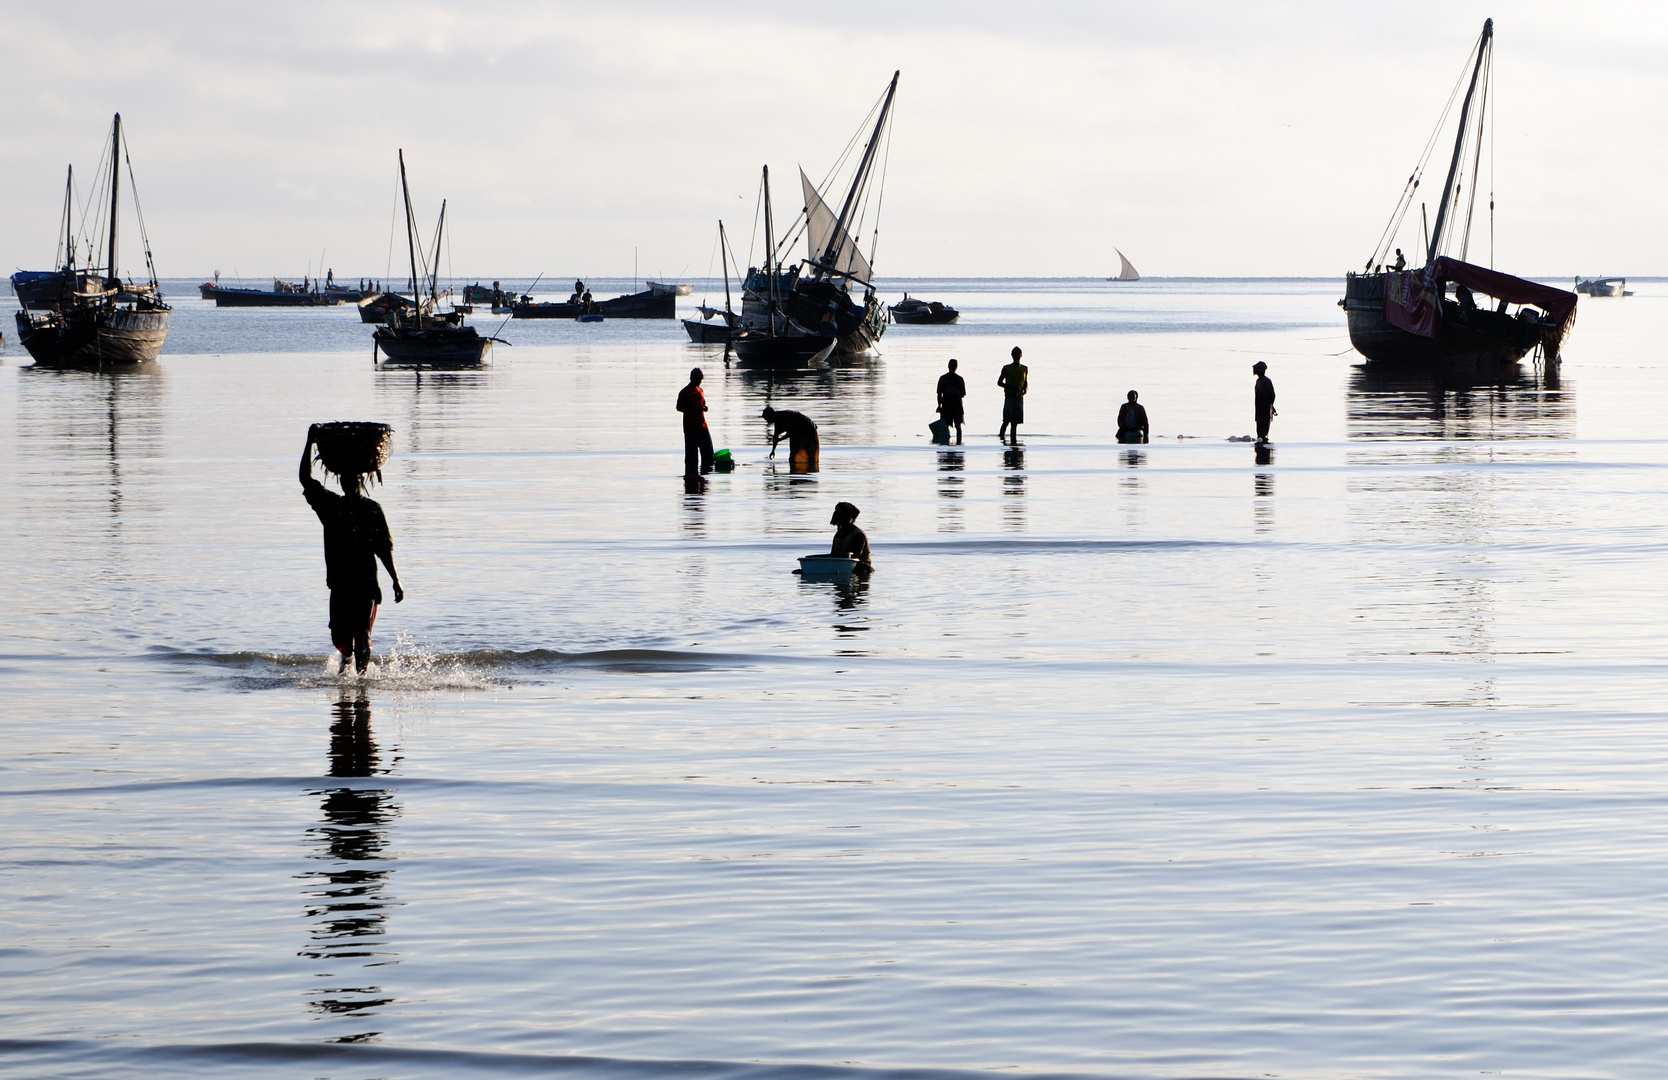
1163, 761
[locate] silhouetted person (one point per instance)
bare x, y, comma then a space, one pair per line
849, 540
1264, 401
1132, 420
804, 451
355, 537
697, 438
1401, 260
1014, 380
952, 391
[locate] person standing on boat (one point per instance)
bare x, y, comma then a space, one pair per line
804, 449
1132, 420
1264, 401
355, 536
952, 393
1015, 380
697, 437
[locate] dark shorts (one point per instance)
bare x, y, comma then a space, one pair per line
1013, 410
352, 613
952, 412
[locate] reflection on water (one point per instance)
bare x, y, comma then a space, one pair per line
1013, 488
348, 905
952, 490
843, 400
94, 423
1262, 502
1419, 494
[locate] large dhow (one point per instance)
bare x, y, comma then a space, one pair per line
418, 336
1429, 316
86, 316
814, 298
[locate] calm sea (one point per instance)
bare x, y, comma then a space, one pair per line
1154, 761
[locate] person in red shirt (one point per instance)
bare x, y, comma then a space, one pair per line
697, 438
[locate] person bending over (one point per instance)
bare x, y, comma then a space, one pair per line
355, 537
804, 451
849, 540
1132, 420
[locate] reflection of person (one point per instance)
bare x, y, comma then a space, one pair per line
804, 451
1264, 401
697, 438
1132, 420
355, 537
1014, 380
952, 390
849, 540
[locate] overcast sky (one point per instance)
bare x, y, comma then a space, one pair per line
1202, 138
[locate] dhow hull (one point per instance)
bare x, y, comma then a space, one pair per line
93, 338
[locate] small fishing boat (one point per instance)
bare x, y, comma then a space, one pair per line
922, 312
661, 288
705, 331
1602, 286
640, 305
416, 335
1430, 316
1126, 269
376, 307
99, 321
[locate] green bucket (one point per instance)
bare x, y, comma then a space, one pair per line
723, 462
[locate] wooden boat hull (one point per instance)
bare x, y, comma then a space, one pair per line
827, 307
93, 336
642, 305
42, 288
1480, 340
705, 332
374, 309
786, 353
942, 317
266, 298
431, 346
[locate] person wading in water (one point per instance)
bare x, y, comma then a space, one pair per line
1015, 380
952, 392
1263, 401
355, 537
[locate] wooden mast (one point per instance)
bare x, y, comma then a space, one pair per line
434, 271
1483, 44
66, 257
724, 259
770, 249
115, 188
836, 238
411, 241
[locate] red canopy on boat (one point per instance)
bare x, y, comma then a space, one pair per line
1410, 297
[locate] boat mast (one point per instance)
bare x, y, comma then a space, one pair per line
66, 254
724, 259
115, 188
770, 248
410, 240
434, 271
858, 180
1483, 44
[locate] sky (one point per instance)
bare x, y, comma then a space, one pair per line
1208, 139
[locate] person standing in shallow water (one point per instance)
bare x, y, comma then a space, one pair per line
849, 540
355, 537
697, 437
1264, 401
1132, 420
1015, 380
952, 393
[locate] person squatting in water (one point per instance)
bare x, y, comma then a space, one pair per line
355, 536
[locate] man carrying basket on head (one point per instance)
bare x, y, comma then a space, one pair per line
355, 536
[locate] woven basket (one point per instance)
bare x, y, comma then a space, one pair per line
353, 446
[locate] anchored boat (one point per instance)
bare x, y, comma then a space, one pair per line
87, 317
1430, 316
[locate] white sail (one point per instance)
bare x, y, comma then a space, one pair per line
820, 223
1126, 272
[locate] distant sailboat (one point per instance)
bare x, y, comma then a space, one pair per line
1127, 271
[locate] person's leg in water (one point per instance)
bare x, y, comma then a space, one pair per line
705, 444
352, 615
691, 453
1262, 429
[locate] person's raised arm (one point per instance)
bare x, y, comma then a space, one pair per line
306, 472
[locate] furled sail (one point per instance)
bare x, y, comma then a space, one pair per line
820, 224
1126, 272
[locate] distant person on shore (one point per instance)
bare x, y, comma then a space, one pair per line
1132, 420
1015, 380
1264, 401
849, 540
355, 537
697, 437
952, 392
804, 450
